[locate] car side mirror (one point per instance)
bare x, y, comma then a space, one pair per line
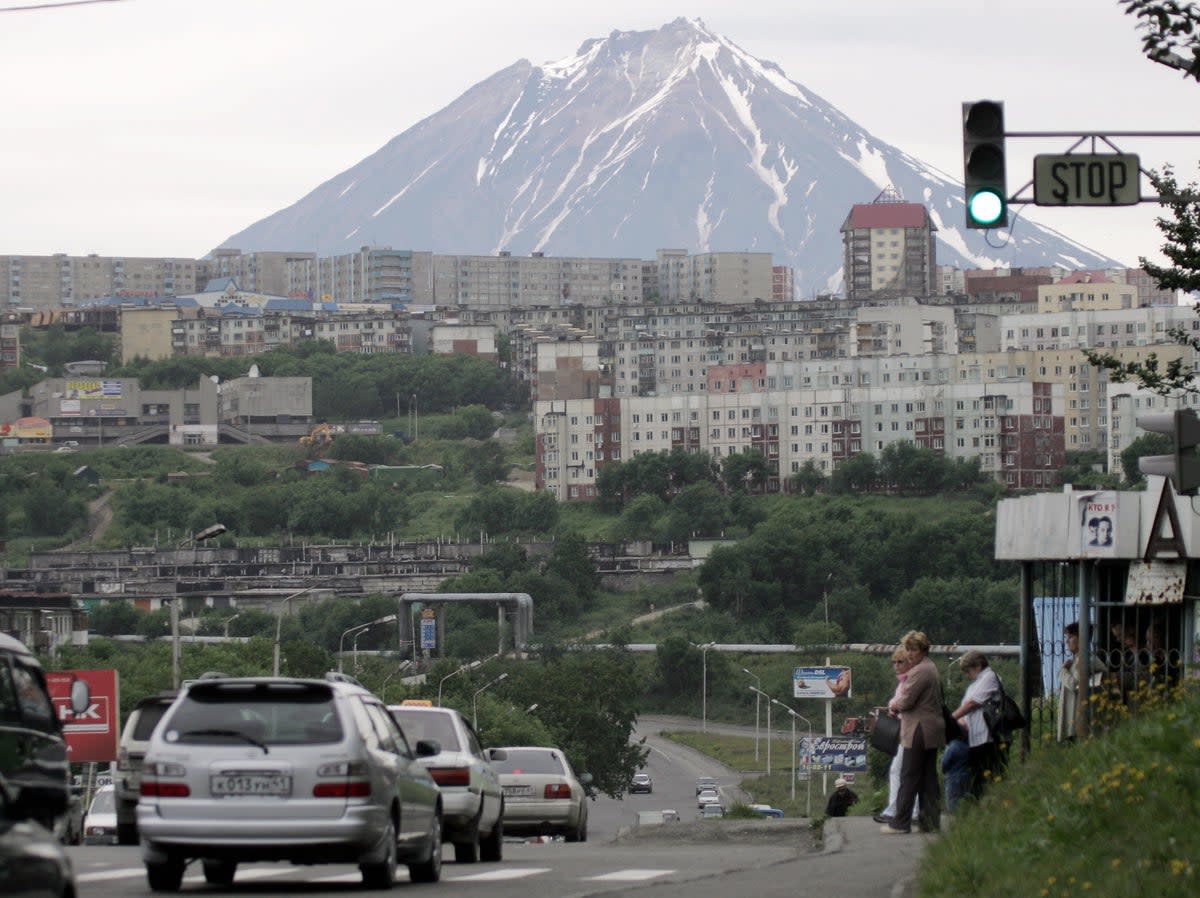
428, 747
81, 696
497, 754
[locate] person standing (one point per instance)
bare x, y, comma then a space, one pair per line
922, 733
984, 754
841, 799
1067, 722
900, 667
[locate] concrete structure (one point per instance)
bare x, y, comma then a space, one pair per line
377, 274
50, 282
10, 346
505, 281
889, 249
904, 327
278, 273
110, 411
455, 338
718, 277
1084, 291
1016, 432
148, 332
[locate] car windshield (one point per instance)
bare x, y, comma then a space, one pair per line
526, 760
226, 712
418, 725
103, 803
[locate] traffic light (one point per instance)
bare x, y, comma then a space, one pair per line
983, 164
1182, 466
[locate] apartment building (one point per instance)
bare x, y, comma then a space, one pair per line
1017, 433
719, 277
1085, 291
556, 362
506, 281
783, 284
457, 338
291, 274
904, 327
51, 282
376, 274
889, 249
365, 334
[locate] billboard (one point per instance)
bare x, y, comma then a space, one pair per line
821, 682
92, 735
835, 754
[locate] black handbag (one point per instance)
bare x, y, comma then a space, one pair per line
953, 729
1003, 716
885, 735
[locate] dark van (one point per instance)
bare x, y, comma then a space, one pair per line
33, 755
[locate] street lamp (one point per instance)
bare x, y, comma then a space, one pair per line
279, 628
448, 676
474, 710
758, 691
227, 620
757, 702
386, 619
704, 684
794, 715
825, 600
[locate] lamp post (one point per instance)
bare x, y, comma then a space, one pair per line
825, 600
704, 684
279, 629
757, 702
794, 715
446, 677
759, 692
474, 710
226, 621
386, 619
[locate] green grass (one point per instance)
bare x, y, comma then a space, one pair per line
1114, 815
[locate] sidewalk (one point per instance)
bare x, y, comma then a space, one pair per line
861, 862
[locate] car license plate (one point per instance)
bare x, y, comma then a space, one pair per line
517, 791
233, 784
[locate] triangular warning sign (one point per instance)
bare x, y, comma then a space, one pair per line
1165, 533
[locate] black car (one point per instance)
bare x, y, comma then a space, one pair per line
33, 863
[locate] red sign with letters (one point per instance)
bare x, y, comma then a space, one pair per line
92, 734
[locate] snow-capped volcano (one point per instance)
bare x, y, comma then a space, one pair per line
639, 141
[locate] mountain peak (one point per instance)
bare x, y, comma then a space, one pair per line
639, 140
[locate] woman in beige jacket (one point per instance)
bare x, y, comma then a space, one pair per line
922, 732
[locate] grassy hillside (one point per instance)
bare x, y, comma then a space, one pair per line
1115, 815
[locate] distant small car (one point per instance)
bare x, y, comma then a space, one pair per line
711, 811
705, 782
670, 815
100, 824
641, 783
707, 797
764, 810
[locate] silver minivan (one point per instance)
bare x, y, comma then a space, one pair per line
278, 769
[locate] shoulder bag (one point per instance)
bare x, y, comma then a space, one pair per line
885, 734
1003, 716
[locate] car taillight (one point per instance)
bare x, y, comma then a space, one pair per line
347, 789
557, 790
451, 776
165, 790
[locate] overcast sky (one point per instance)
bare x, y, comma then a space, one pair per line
160, 127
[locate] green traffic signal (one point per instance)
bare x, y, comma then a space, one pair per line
986, 208
984, 165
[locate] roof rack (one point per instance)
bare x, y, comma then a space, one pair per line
336, 676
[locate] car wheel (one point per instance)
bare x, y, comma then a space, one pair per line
219, 873
165, 877
430, 870
382, 875
579, 834
466, 850
491, 849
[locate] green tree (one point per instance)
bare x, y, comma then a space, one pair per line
1148, 444
117, 618
641, 519
698, 510
744, 471
570, 561
809, 479
857, 474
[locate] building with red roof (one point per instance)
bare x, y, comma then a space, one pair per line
889, 249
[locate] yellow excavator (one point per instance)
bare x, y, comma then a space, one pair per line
321, 435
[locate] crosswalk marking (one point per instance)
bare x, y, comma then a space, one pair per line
631, 875
105, 875
501, 874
